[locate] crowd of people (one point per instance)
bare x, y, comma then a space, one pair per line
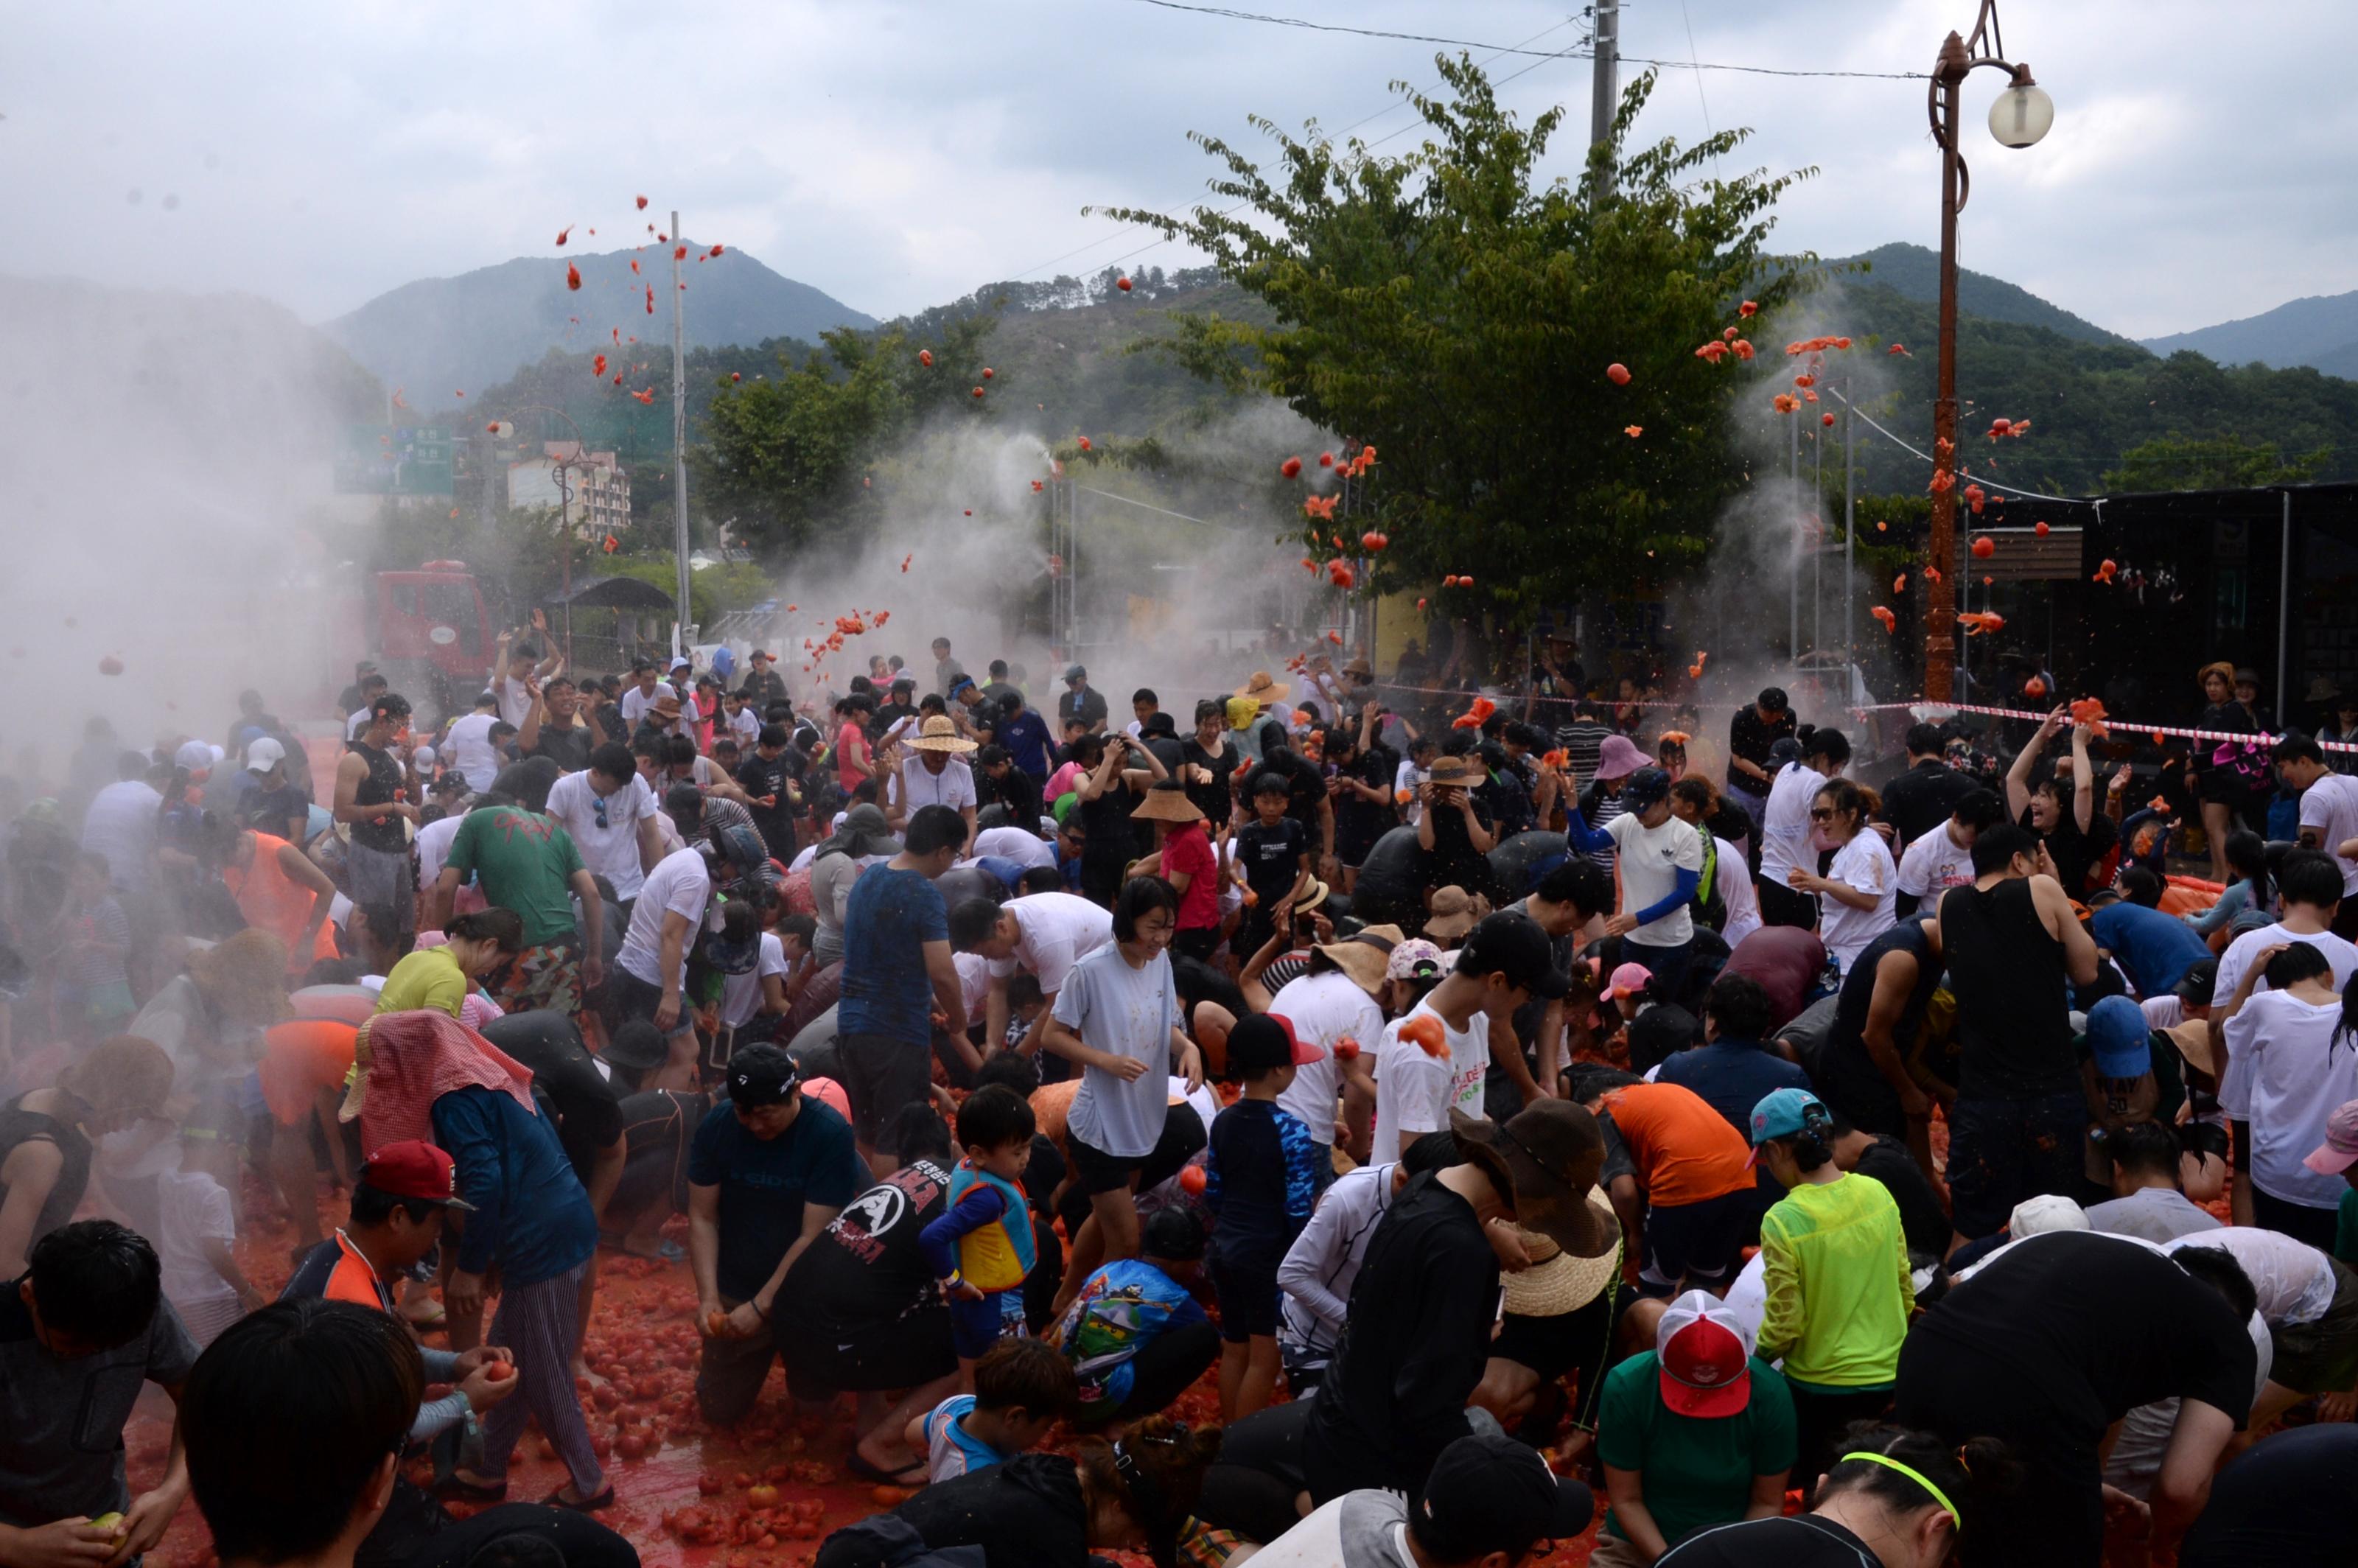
1515, 1108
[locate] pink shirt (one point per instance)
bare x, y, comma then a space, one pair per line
851, 741
1189, 851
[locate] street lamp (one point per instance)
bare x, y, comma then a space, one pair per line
2021, 115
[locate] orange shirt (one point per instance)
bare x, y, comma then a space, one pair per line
1685, 1151
299, 1059
271, 900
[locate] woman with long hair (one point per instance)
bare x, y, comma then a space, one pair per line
1859, 894
1786, 850
2215, 770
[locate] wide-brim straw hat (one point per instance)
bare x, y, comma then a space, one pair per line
1456, 771
2192, 1039
1361, 958
1261, 688
1168, 803
1545, 1160
939, 734
1557, 1283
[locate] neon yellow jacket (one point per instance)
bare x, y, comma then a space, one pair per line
1839, 1291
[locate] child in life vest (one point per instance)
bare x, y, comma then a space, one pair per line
982, 1247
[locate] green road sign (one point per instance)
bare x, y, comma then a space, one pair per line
394, 459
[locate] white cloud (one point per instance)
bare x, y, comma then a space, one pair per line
898, 154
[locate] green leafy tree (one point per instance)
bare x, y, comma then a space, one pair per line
785, 459
2227, 462
1454, 312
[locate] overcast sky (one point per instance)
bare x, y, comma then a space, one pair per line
897, 155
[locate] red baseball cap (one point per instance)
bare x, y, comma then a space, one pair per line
414, 1169
1705, 1355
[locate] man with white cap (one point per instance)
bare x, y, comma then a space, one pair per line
1694, 1432
1488, 1501
260, 796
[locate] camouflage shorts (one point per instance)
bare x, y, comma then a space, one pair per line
544, 978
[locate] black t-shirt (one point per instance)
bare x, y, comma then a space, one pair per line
1211, 797
2077, 855
1359, 821
2285, 1501
1415, 1345
588, 1110
1018, 791
1804, 1540
2084, 1328
866, 1268
762, 777
1271, 856
269, 810
1749, 736
1923, 797
1305, 784
569, 747
1921, 1219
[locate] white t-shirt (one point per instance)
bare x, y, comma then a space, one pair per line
1373, 1535
1019, 845
516, 703
1054, 932
1408, 776
740, 995
120, 825
1325, 1009
469, 750
1737, 894
611, 850
1785, 824
2235, 1090
2293, 1279
638, 704
192, 1208
974, 985
746, 724
1651, 861
678, 885
355, 722
953, 786
433, 843
1124, 1011
1864, 863
2286, 1075
2331, 805
1935, 863
1415, 1092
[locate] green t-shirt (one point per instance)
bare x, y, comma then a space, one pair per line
525, 863
1697, 1471
2345, 1229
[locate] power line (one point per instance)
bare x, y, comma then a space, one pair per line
1467, 43
1393, 107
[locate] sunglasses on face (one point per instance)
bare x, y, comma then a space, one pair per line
1822, 814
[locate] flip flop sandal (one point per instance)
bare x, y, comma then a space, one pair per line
860, 1467
604, 1500
470, 1491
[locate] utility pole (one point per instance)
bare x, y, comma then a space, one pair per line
1604, 98
679, 424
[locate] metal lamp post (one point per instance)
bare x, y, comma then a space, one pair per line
2021, 115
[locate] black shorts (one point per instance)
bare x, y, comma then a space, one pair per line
1248, 1298
1550, 1347
1095, 1170
822, 1362
625, 998
1697, 1239
880, 1075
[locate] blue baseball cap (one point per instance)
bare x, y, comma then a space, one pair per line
2119, 1039
1781, 1113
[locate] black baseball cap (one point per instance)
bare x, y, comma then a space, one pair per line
2199, 985
1492, 1494
760, 1075
1512, 945
1646, 786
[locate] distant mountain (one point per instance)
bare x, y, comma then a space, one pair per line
2321, 332
442, 335
1914, 273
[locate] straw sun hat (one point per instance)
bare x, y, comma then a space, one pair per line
1262, 689
1557, 1283
940, 735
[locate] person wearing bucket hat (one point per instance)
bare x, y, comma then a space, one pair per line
1694, 1433
1488, 1501
938, 773
1418, 1339
1839, 1290
1455, 830
1183, 858
1437, 1058
1451, 916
